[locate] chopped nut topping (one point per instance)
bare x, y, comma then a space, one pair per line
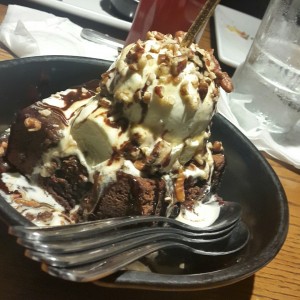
225, 82
133, 67
158, 90
104, 102
178, 65
202, 90
3, 147
45, 112
163, 58
123, 96
32, 124
217, 147
163, 70
184, 91
180, 34
147, 97
139, 165
179, 186
135, 53
83, 178
158, 35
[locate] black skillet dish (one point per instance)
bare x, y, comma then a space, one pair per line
248, 179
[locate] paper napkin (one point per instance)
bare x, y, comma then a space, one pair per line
232, 107
30, 32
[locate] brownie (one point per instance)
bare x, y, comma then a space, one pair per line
4, 165
131, 195
69, 183
38, 127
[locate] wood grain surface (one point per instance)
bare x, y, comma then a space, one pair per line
21, 278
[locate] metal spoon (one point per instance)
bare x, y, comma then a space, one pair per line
230, 212
115, 236
99, 269
82, 257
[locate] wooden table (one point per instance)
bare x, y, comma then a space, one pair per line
21, 278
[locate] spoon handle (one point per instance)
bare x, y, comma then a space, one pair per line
115, 236
102, 268
85, 256
229, 213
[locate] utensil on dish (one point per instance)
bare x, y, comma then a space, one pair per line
99, 267
79, 243
229, 213
70, 247
82, 257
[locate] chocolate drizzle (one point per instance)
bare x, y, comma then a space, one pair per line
76, 95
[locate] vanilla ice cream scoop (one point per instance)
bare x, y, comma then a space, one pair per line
168, 90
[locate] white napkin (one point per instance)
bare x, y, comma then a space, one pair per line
30, 32
234, 110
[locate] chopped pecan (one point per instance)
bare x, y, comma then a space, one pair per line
163, 58
202, 90
217, 147
226, 83
158, 90
135, 53
179, 187
223, 78
158, 35
147, 97
32, 124
178, 65
3, 147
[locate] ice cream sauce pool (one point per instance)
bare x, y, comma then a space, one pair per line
137, 142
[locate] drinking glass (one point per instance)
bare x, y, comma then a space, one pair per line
166, 16
270, 76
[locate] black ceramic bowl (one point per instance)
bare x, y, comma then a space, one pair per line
248, 179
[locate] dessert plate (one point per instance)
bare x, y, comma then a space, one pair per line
235, 32
95, 10
248, 180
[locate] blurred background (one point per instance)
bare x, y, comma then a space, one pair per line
255, 8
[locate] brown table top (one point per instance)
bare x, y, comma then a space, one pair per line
21, 278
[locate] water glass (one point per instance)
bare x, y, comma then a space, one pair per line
270, 75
